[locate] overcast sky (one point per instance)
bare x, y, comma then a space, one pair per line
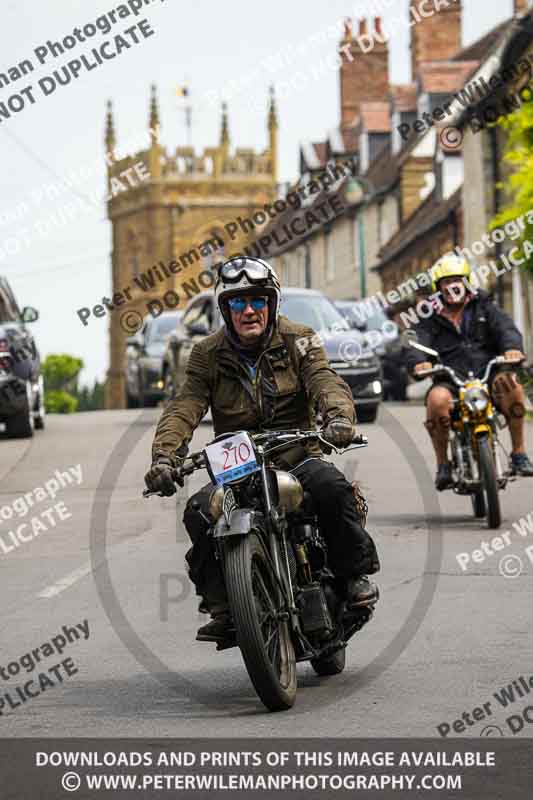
211, 47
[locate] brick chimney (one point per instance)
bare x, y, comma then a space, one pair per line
364, 69
435, 38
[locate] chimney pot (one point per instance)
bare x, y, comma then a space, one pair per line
362, 27
377, 25
348, 28
520, 6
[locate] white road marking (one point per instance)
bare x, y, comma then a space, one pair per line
65, 583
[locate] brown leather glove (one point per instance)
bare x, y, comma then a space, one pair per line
159, 477
339, 432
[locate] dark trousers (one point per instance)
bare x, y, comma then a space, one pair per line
351, 551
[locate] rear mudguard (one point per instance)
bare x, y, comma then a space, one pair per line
241, 522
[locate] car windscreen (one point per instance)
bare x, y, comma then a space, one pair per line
314, 310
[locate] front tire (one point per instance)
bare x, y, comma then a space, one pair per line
478, 504
263, 638
21, 425
488, 473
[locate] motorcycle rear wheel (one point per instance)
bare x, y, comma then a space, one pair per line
263, 638
488, 473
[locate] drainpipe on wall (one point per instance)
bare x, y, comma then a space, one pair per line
496, 177
307, 265
362, 252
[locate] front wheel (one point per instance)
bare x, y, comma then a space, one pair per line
263, 637
21, 425
478, 504
488, 474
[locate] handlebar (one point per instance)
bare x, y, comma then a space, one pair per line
439, 368
197, 460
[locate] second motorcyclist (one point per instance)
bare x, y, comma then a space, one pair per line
468, 330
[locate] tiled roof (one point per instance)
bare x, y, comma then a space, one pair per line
312, 203
445, 77
427, 216
480, 49
384, 170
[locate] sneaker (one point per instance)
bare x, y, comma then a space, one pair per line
444, 479
361, 592
521, 465
218, 630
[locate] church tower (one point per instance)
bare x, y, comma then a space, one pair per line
164, 207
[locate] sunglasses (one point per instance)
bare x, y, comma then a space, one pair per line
238, 304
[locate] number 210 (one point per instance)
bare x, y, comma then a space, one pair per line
240, 455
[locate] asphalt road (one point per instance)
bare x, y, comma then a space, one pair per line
441, 643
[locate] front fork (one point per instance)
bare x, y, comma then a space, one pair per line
489, 429
275, 539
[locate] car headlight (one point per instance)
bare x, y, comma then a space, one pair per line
365, 363
476, 400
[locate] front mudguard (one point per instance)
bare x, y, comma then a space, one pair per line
241, 522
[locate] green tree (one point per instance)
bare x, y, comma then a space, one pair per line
518, 187
91, 399
60, 374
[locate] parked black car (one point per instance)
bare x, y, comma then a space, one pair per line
307, 306
21, 381
383, 337
144, 386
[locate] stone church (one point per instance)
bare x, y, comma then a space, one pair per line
169, 227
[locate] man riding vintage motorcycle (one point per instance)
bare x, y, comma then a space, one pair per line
468, 330
254, 377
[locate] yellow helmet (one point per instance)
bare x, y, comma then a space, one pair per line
450, 266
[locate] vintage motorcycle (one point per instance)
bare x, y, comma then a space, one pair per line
285, 601
475, 445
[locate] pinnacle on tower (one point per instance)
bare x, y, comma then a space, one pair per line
110, 138
224, 135
272, 112
154, 114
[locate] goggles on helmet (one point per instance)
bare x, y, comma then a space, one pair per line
232, 271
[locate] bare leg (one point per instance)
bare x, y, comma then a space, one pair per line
510, 396
439, 406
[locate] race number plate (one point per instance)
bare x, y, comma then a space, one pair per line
231, 458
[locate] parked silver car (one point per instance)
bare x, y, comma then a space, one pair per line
144, 385
21, 380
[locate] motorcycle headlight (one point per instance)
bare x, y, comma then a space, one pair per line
476, 400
